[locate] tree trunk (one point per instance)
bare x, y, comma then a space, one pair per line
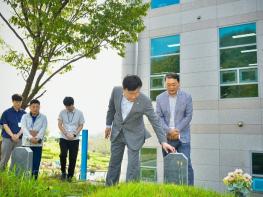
30, 80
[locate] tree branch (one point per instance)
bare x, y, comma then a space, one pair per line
40, 95
70, 62
25, 19
60, 69
44, 69
65, 59
23, 75
17, 35
61, 8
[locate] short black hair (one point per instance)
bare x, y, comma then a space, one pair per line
172, 76
34, 101
68, 101
131, 82
17, 97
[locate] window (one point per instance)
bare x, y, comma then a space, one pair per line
257, 164
162, 3
165, 58
148, 170
238, 61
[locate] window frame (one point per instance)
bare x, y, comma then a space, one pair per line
173, 4
149, 167
238, 68
163, 55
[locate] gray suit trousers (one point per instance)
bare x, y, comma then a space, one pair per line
114, 170
6, 151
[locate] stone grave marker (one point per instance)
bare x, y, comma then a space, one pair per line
176, 169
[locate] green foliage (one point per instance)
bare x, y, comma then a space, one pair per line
50, 159
166, 64
57, 33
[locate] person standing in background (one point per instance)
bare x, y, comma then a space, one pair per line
70, 123
34, 125
11, 131
174, 108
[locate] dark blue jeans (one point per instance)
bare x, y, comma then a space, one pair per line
184, 148
37, 154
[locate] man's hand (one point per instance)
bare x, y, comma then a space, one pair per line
33, 133
15, 137
34, 140
107, 133
168, 148
70, 136
173, 134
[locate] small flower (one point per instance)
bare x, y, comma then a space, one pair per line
238, 171
238, 181
231, 179
226, 180
247, 176
231, 174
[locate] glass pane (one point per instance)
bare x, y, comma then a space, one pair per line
148, 174
238, 57
162, 65
257, 163
239, 91
161, 3
157, 82
228, 77
148, 157
155, 93
165, 45
248, 75
237, 35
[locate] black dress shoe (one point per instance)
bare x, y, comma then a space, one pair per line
69, 179
63, 176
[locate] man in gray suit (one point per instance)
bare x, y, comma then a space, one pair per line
174, 107
125, 126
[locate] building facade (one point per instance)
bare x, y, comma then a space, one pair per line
216, 46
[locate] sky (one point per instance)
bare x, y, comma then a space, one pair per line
89, 83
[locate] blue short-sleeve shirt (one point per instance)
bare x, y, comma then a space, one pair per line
12, 118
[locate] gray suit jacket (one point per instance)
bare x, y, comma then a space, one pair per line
183, 113
133, 126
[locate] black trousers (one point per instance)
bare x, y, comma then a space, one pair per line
71, 146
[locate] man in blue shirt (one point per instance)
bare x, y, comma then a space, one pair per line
11, 132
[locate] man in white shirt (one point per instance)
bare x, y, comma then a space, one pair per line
34, 125
174, 108
70, 123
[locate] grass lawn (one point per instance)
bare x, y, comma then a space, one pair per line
49, 184
12, 185
50, 159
